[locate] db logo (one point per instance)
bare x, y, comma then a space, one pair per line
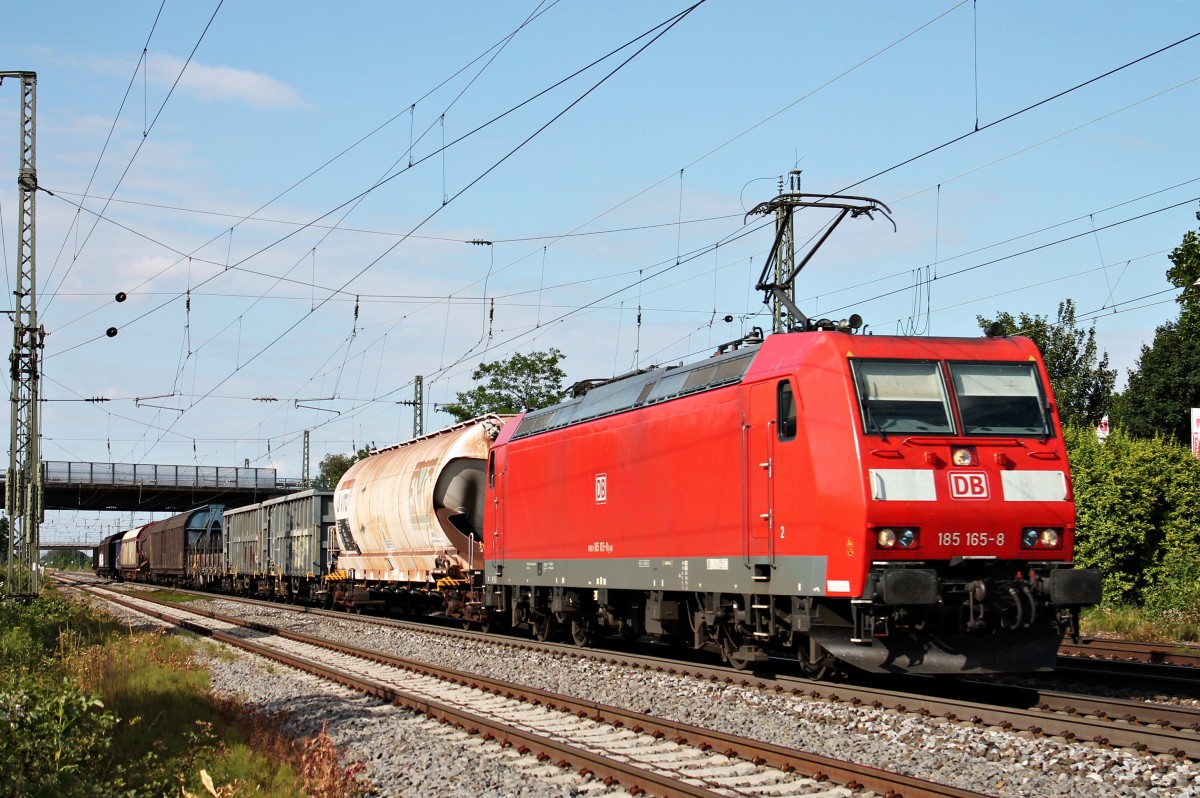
601, 488
972, 485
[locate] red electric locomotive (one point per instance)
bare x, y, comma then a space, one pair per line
900, 504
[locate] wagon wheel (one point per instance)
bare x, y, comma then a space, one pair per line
815, 662
542, 627
817, 671
583, 633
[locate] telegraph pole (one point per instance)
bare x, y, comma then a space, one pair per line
23, 481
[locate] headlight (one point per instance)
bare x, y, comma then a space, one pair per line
889, 538
962, 456
1041, 538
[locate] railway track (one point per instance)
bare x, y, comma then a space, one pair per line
641, 753
1132, 651
1153, 728
1146, 665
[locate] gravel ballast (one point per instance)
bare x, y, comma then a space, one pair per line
408, 755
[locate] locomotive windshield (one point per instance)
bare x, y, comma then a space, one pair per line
902, 396
1000, 399
910, 396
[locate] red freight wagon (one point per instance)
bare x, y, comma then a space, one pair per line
901, 504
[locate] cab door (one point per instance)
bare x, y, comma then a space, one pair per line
758, 448
771, 467
494, 509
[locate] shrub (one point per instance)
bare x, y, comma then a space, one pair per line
1138, 520
51, 737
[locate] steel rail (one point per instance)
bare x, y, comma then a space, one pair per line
820, 768
1149, 728
1135, 650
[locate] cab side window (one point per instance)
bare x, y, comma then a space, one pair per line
786, 408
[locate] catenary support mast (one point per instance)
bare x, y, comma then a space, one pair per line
23, 481
787, 252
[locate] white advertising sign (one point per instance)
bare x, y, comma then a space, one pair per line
1196, 432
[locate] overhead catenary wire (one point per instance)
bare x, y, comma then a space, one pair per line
539, 292
537, 13
967, 269
138, 149
1025, 110
662, 29
666, 25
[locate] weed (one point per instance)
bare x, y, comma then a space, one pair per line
1135, 623
91, 707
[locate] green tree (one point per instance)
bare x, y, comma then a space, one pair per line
523, 382
1165, 382
65, 560
333, 466
1079, 374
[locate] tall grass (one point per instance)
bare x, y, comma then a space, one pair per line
1135, 623
91, 707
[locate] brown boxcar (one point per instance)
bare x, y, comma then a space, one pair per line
185, 548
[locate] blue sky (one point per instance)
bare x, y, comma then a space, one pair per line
254, 158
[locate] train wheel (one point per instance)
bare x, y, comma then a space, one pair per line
542, 627
818, 671
582, 632
815, 662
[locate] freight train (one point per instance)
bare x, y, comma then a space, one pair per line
897, 504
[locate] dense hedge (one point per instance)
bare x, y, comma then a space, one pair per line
1138, 505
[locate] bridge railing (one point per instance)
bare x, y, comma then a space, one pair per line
175, 476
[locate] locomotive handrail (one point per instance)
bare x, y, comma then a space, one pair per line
959, 440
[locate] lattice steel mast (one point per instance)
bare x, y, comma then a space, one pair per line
778, 278
787, 253
23, 482
417, 403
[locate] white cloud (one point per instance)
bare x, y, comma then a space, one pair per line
225, 84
